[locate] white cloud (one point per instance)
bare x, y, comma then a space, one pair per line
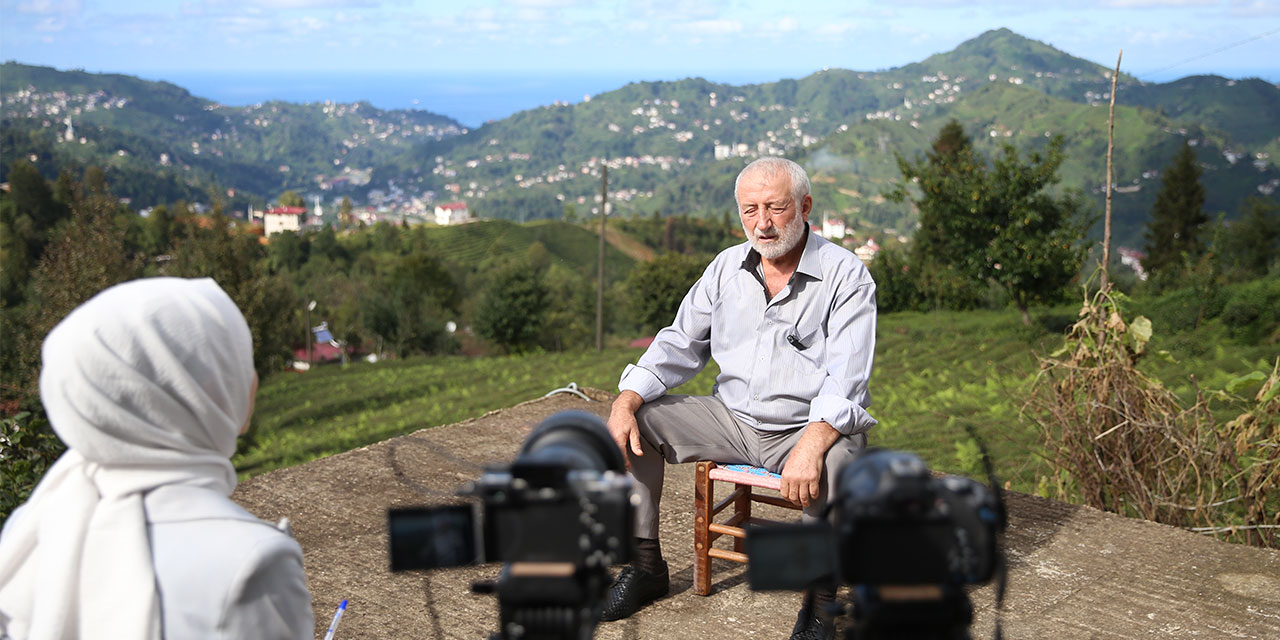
1159, 4
677, 11
244, 25
50, 25
836, 28
316, 4
544, 4
711, 27
1159, 37
44, 7
1254, 8
306, 25
787, 24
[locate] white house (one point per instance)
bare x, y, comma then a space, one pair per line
832, 228
452, 213
279, 219
868, 251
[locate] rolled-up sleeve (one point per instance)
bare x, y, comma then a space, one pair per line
679, 351
851, 344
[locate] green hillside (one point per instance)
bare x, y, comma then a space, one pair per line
468, 245
670, 146
159, 143
935, 374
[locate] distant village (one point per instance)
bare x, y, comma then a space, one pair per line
470, 180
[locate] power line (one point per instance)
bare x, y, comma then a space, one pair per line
1207, 54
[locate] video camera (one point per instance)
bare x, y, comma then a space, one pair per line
559, 516
905, 540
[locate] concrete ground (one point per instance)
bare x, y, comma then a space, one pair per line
1075, 572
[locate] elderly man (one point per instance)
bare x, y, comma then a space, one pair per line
790, 319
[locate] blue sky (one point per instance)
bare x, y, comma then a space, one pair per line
655, 39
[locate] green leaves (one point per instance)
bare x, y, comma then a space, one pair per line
1139, 333
1238, 384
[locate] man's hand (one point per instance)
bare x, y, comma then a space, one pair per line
802, 474
622, 424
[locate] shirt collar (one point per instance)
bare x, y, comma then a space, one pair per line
810, 264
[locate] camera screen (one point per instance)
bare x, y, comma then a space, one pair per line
432, 538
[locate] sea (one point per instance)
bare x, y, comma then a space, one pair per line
471, 98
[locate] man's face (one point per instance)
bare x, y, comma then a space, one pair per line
773, 221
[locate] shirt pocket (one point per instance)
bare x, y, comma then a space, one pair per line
803, 351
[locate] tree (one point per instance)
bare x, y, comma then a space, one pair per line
949, 179
287, 251
1035, 249
346, 215
895, 283
512, 309
1177, 216
571, 311
1251, 245
213, 247
28, 214
157, 236
991, 223
291, 198
325, 243
656, 288
410, 304
88, 256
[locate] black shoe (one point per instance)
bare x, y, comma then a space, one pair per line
632, 590
811, 626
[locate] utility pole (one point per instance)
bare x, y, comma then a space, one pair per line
604, 202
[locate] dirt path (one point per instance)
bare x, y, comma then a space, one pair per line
1075, 572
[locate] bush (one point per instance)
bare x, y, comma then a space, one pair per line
27, 449
1250, 313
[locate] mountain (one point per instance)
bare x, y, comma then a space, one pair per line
159, 143
673, 147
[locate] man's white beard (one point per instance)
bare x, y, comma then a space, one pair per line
788, 237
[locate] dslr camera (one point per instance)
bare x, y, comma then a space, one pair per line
558, 516
906, 541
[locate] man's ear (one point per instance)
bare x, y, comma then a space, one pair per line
806, 206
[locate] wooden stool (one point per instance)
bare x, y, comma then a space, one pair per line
706, 530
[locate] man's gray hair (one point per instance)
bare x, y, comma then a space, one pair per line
772, 166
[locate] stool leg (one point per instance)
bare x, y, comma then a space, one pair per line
703, 501
742, 505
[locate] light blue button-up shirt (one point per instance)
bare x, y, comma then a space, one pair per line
804, 356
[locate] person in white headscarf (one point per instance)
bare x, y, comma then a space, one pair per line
131, 533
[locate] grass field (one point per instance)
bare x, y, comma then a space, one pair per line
935, 374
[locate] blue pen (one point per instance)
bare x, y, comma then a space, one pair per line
333, 626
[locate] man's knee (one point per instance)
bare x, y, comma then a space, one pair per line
844, 451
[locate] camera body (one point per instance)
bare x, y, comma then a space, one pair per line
528, 512
559, 516
905, 539
897, 523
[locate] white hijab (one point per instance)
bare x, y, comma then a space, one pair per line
148, 383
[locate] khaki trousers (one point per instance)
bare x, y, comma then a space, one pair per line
676, 429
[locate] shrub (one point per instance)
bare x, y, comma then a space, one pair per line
27, 449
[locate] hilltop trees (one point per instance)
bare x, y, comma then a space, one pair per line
291, 198
513, 307
994, 222
1173, 234
27, 217
409, 304
88, 255
1251, 246
658, 286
